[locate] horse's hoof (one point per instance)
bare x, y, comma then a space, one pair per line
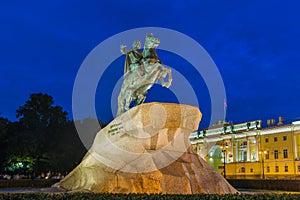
167, 85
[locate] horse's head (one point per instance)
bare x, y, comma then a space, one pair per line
151, 41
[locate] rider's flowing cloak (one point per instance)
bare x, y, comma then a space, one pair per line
126, 65
136, 55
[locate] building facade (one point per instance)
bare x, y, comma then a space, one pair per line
248, 151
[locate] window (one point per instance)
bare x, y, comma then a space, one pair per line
267, 155
286, 168
275, 154
285, 153
298, 168
243, 155
276, 168
251, 170
266, 140
275, 139
243, 169
268, 168
284, 138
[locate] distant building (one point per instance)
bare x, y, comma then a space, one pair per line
248, 151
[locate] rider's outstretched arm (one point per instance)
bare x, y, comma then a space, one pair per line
122, 49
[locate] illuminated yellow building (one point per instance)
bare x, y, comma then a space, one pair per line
247, 151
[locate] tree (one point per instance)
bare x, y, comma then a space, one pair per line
69, 150
4, 123
39, 112
41, 126
43, 139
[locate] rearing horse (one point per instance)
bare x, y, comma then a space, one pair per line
135, 87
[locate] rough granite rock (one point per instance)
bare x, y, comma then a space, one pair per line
147, 150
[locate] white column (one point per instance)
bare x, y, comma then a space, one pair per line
295, 145
236, 151
248, 149
256, 148
203, 149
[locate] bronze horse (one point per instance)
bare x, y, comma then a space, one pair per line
145, 69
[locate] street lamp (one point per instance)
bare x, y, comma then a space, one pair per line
262, 154
224, 148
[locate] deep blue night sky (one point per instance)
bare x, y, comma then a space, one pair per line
255, 45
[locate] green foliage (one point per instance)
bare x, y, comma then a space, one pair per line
20, 164
37, 132
106, 196
43, 134
4, 124
39, 112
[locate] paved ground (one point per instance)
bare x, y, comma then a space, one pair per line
249, 191
27, 190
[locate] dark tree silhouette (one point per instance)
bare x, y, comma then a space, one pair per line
41, 124
43, 139
39, 112
4, 123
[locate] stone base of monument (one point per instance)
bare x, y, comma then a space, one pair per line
147, 150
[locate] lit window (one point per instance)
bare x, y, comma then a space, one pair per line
243, 155
275, 139
285, 153
267, 155
286, 168
268, 168
266, 140
276, 168
275, 154
284, 138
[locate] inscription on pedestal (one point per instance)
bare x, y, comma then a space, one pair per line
115, 128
